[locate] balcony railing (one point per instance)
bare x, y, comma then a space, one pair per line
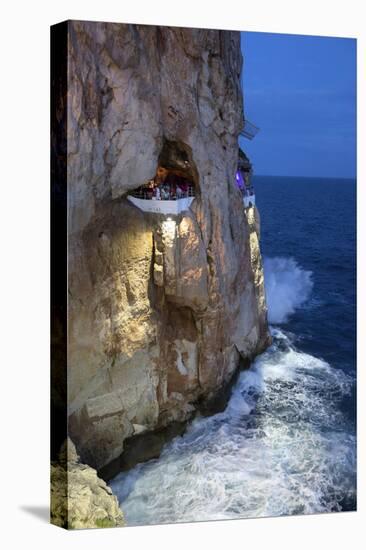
170, 194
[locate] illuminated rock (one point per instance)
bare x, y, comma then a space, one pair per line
161, 312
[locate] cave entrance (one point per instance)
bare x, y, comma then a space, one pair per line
174, 185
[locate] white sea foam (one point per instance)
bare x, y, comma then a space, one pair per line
282, 446
288, 286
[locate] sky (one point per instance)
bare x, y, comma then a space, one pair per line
301, 92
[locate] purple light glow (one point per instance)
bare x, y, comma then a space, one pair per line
239, 180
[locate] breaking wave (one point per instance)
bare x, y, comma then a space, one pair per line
288, 287
281, 447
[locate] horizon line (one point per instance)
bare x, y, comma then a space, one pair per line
305, 177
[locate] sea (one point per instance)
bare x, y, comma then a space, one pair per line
286, 442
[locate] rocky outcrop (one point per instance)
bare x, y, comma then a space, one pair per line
253, 219
79, 498
161, 313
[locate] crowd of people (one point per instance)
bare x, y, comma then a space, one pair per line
165, 186
169, 186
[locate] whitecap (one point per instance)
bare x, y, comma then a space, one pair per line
282, 446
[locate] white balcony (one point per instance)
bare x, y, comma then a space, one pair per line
249, 200
165, 207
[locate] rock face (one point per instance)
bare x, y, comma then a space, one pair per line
79, 498
160, 312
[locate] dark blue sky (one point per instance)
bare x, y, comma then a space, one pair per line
301, 92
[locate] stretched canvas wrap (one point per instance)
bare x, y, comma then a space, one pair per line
203, 274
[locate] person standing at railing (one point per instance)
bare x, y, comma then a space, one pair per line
150, 189
165, 191
184, 187
173, 191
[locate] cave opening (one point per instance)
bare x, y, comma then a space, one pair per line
174, 185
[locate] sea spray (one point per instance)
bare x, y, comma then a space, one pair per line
282, 446
288, 286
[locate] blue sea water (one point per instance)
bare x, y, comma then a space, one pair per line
286, 443
314, 221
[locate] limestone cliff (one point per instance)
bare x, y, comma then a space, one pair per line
79, 498
161, 313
